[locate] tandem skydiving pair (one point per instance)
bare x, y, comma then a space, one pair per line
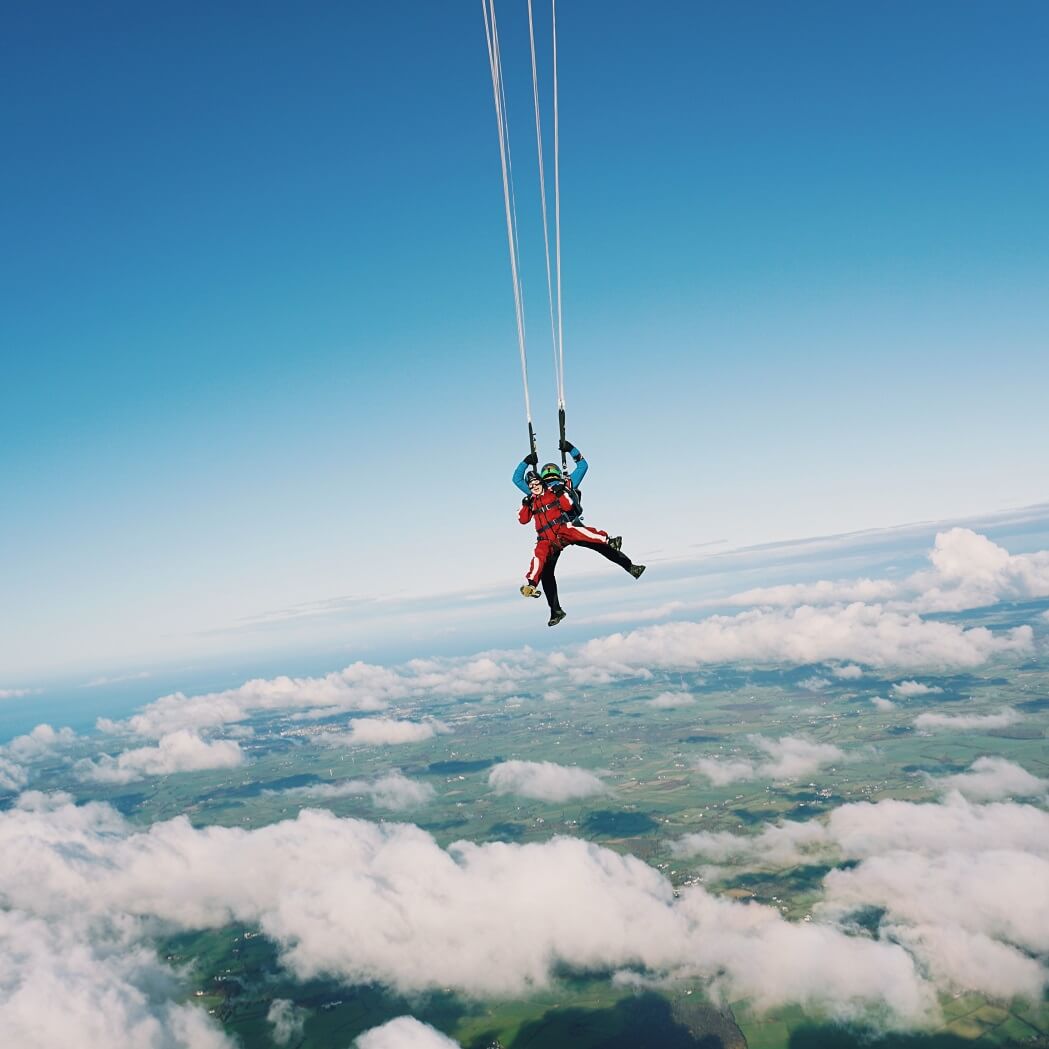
553, 502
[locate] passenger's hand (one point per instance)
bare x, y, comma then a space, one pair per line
558, 489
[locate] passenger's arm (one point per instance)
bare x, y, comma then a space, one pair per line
519, 476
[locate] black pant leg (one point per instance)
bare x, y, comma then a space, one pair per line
615, 556
549, 581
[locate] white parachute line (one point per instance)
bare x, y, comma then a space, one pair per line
510, 173
542, 198
557, 220
495, 62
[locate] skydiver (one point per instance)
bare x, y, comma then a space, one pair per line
558, 523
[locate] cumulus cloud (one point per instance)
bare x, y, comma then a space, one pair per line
814, 683
860, 830
971, 571
907, 689
384, 903
405, 1033
787, 758
393, 791
961, 885
962, 722
544, 780
883, 704
374, 732
360, 687
113, 994
993, 778
849, 672
288, 1021
181, 751
865, 633
43, 741
967, 570
12, 775
672, 700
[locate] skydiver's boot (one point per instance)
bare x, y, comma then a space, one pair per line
616, 542
556, 615
636, 570
531, 590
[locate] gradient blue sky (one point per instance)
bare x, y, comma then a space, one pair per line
257, 331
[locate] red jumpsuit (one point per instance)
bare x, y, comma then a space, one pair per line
554, 532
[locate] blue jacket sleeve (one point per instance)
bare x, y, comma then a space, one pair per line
577, 475
519, 475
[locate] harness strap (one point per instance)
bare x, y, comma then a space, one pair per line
563, 519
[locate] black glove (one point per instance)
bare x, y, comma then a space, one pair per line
532, 458
526, 501
566, 446
558, 489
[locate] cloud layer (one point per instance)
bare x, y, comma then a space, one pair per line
965, 722
544, 780
181, 751
384, 903
961, 885
405, 1033
788, 758
393, 791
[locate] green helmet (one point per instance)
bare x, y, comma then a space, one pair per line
550, 472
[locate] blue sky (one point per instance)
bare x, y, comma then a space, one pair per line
257, 336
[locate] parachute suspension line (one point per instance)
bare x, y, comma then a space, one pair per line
557, 227
557, 242
495, 62
542, 198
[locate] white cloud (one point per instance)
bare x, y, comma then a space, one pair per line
383, 903
971, 571
721, 771
544, 780
788, 758
967, 570
287, 1020
861, 830
12, 775
962, 885
866, 633
849, 672
41, 742
61, 986
883, 704
993, 778
672, 700
998, 895
374, 732
908, 689
823, 592
360, 686
17, 693
814, 683
393, 791
100, 682
405, 1033
181, 751
1006, 716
